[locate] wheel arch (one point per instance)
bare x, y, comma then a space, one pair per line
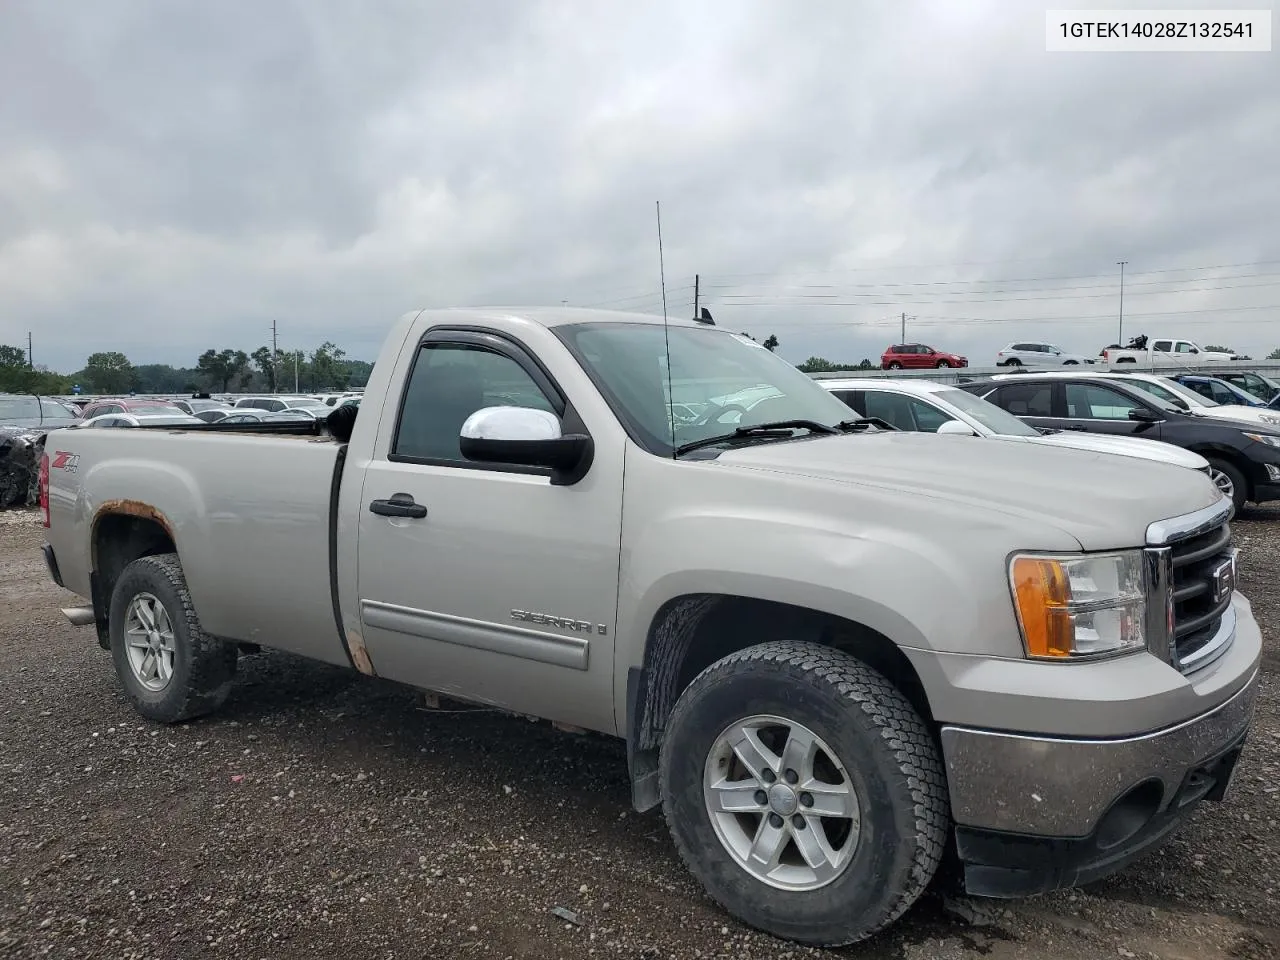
692, 631
122, 532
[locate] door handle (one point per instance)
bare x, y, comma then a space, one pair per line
398, 506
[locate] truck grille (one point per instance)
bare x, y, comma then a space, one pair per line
1203, 579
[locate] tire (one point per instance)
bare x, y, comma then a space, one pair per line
943, 363
1071, 363
1230, 480
889, 760
893, 365
1013, 362
200, 667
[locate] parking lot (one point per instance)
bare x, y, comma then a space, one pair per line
324, 814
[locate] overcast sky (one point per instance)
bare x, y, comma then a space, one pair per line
175, 175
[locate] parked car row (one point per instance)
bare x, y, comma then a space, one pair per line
838, 648
1162, 352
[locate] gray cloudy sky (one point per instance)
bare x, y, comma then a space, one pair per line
176, 174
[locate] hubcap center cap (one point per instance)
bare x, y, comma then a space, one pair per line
782, 800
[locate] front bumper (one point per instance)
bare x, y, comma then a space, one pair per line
1036, 813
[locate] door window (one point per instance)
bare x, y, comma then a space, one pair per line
1163, 346
1086, 401
893, 408
928, 417
449, 382
1026, 399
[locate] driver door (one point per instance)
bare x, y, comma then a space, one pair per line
504, 590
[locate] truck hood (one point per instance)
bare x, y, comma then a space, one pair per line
1103, 500
1125, 446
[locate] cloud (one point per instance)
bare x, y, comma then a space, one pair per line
175, 176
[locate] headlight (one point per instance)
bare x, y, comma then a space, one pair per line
1268, 439
1079, 607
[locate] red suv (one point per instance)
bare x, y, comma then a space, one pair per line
907, 355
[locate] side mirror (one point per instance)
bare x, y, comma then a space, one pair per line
1142, 415
524, 436
954, 428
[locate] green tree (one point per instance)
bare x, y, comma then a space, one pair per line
1274, 354
771, 343
13, 357
110, 372
328, 367
1213, 348
222, 366
266, 364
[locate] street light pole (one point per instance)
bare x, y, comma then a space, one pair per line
1120, 332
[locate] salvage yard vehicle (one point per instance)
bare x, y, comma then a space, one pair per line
1165, 352
941, 408
1244, 458
1035, 354
834, 651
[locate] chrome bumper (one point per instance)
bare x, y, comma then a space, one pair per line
1054, 787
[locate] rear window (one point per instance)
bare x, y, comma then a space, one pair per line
19, 408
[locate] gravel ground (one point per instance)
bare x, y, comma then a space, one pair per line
325, 814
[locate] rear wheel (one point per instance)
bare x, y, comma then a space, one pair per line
804, 792
1071, 363
1013, 362
169, 667
893, 365
1229, 480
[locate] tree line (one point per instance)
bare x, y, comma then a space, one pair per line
217, 370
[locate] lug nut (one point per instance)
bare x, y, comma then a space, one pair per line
761, 797
791, 776
806, 799
775, 821
798, 822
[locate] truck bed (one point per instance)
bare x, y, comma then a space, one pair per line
248, 510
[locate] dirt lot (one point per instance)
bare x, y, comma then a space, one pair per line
324, 814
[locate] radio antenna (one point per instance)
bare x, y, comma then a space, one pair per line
666, 336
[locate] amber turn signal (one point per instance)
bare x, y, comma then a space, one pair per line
1043, 593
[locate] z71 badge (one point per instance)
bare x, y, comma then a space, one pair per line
62, 460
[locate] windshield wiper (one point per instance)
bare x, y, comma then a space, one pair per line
774, 428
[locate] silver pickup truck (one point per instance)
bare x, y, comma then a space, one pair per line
835, 651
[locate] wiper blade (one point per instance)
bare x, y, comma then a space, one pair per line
774, 428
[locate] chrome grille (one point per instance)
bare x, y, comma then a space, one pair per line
1198, 571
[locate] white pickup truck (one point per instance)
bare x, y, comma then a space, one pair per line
834, 651
1165, 352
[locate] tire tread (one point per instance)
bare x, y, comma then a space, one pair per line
901, 728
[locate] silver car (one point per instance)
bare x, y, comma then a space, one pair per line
1029, 354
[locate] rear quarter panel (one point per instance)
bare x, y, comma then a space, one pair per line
249, 516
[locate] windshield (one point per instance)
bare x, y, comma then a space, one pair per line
718, 381
994, 418
1166, 398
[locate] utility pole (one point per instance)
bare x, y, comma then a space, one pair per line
1120, 333
30, 365
904, 327
275, 356
295, 371
696, 291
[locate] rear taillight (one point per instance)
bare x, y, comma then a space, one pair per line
44, 487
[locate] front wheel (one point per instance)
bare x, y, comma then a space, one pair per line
169, 667
943, 363
1228, 478
804, 792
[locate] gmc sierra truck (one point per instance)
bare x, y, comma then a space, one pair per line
835, 651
